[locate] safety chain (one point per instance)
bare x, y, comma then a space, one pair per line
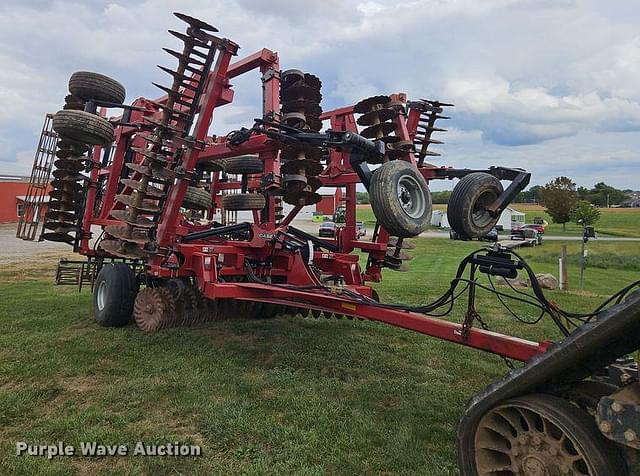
484, 325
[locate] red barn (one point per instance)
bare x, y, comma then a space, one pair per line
13, 191
330, 201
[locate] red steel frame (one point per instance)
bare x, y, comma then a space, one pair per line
209, 259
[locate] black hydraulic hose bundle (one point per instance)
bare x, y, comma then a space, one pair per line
448, 298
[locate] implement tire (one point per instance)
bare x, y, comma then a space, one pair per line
466, 210
244, 201
95, 86
244, 164
114, 293
83, 127
197, 199
400, 199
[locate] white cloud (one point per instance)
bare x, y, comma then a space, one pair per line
352, 87
530, 79
477, 95
23, 93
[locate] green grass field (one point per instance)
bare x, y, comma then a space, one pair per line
280, 396
624, 222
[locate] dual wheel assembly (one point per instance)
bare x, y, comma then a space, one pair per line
401, 201
78, 131
243, 166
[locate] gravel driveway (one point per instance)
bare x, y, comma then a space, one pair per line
13, 249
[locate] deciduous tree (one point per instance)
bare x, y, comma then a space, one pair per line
584, 212
558, 197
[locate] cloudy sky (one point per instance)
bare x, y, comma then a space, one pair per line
547, 85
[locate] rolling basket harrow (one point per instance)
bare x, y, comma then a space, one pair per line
152, 181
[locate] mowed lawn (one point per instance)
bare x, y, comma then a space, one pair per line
623, 222
289, 395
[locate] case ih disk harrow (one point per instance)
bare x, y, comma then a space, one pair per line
153, 179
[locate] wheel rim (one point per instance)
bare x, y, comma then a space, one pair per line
101, 295
512, 439
479, 214
411, 196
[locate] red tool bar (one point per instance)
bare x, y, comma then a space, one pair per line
255, 145
336, 112
507, 346
253, 61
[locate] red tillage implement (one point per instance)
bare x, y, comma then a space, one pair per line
205, 225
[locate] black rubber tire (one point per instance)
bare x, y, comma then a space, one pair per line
385, 184
95, 86
197, 199
603, 456
84, 127
464, 209
114, 293
244, 201
244, 164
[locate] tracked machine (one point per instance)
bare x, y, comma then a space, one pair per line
178, 226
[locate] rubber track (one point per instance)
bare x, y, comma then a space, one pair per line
612, 334
84, 85
83, 127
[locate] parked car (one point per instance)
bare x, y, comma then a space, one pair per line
327, 229
491, 236
539, 227
531, 235
361, 229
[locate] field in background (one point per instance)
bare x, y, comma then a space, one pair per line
287, 395
623, 222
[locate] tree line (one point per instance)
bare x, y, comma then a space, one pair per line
600, 195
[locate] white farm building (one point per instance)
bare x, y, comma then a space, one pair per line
509, 219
